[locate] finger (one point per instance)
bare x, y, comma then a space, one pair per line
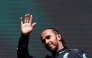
21, 20
30, 21
25, 20
33, 24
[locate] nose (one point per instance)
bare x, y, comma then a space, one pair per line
47, 41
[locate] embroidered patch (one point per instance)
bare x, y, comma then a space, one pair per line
84, 55
65, 55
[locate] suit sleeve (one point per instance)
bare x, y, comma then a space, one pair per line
22, 50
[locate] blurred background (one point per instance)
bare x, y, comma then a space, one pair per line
72, 18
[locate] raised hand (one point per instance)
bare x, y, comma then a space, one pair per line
27, 26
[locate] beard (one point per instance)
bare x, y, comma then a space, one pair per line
53, 50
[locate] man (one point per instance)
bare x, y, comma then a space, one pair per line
51, 40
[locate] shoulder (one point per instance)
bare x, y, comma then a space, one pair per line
75, 50
77, 53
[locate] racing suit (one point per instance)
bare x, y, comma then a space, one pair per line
22, 51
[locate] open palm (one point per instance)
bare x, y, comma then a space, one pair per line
27, 26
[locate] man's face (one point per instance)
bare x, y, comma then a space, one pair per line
49, 39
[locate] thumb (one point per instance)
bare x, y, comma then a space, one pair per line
33, 24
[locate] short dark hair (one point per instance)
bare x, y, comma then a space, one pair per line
56, 32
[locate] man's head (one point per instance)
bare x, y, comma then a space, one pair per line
51, 40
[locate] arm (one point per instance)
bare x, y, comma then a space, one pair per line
22, 50
26, 29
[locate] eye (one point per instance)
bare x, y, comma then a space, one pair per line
48, 37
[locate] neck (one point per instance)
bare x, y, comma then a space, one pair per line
60, 46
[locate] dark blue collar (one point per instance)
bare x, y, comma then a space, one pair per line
59, 52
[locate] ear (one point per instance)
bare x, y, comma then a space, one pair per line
59, 37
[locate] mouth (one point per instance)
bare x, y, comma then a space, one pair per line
50, 45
